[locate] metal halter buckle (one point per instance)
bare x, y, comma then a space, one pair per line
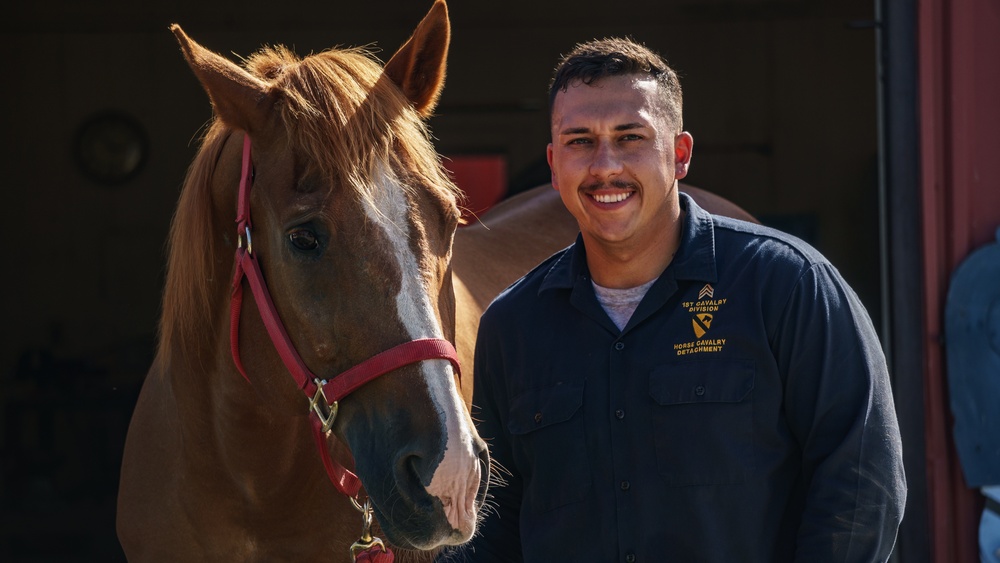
325, 411
367, 540
239, 240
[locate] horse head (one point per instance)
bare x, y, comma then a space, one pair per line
353, 220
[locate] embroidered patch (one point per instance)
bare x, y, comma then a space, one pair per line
703, 314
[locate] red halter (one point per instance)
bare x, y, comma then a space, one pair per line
323, 395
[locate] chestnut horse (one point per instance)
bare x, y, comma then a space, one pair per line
353, 229
352, 225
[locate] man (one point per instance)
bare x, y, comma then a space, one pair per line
676, 386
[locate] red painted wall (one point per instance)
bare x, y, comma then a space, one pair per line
482, 178
959, 90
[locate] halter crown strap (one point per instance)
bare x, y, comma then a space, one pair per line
246, 178
334, 389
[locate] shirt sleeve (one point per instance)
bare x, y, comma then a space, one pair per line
838, 402
498, 536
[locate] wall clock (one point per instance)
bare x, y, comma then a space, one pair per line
111, 147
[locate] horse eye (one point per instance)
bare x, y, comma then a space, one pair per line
303, 239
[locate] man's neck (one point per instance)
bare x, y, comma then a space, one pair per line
626, 264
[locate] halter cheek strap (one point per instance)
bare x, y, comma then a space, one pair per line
324, 395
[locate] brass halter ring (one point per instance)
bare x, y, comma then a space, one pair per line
325, 411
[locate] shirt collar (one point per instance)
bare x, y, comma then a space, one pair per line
695, 258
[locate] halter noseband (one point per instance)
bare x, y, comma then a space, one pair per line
323, 394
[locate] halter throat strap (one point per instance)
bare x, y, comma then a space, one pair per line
333, 390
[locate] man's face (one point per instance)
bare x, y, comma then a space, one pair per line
615, 158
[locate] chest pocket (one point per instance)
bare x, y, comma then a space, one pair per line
547, 432
703, 421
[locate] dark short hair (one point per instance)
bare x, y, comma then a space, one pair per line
600, 58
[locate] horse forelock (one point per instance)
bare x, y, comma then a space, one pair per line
350, 122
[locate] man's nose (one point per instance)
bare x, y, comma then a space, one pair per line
606, 162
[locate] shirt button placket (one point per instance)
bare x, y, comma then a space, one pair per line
619, 346
619, 434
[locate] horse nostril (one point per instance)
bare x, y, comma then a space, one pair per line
414, 468
413, 476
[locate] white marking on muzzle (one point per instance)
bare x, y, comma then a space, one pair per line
456, 479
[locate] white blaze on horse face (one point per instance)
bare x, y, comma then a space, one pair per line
456, 479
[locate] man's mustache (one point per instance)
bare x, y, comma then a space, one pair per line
617, 184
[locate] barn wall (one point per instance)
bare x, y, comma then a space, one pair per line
960, 194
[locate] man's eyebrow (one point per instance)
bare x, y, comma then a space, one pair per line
629, 126
585, 130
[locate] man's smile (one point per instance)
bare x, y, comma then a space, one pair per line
612, 198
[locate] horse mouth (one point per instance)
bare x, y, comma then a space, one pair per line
425, 522
423, 531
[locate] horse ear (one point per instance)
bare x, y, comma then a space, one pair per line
239, 98
418, 67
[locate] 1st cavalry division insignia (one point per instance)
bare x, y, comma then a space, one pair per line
701, 324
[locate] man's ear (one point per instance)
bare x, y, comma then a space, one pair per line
683, 147
548, 157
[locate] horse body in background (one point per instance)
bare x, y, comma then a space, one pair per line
353, 229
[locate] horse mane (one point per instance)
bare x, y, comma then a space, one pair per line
351, 125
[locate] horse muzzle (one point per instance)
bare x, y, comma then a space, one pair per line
439, 506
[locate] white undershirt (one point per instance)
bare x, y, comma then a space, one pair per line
621, 303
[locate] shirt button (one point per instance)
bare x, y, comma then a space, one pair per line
625, 485
619, 346
630, 558
619, 414
699, 390
538, 417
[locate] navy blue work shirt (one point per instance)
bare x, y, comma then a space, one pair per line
743, 414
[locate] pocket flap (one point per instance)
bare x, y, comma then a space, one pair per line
541, 407
702, 381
